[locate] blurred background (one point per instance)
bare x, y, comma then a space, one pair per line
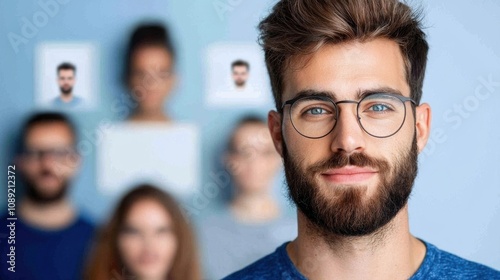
456, 199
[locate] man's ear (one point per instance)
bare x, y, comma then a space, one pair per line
274, 124
423, 125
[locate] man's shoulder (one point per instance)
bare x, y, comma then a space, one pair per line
265, 268
440, 264
454, 265
85, 224
272, 266
57, 100
77, 99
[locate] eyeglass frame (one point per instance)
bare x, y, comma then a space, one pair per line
37, 155
403, 99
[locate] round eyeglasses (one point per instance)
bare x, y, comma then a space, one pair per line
380, 115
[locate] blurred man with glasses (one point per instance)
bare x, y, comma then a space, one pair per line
51, 236
347, 80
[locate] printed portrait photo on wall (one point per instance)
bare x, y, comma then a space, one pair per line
236, 76
66, 76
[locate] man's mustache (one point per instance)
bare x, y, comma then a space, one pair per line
341, 159
47, 173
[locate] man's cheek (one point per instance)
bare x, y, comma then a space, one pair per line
61, 170
31, 173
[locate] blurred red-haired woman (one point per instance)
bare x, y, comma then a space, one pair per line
147, 238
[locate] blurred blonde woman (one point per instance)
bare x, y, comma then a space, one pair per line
147, 238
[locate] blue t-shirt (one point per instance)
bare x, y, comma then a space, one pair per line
44, 254
437, 264
75, 102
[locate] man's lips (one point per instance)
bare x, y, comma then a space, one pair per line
349, 174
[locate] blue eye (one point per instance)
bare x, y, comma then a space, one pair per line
379, 108
316, 111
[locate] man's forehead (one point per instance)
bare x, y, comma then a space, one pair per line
252, 133
66, 72
49, 134
347, 69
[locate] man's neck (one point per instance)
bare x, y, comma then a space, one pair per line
240, 88
254, 207
391, 254
66, 97
50, 216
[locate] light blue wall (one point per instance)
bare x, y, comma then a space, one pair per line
456, 201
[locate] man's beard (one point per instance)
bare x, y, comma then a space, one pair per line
240, 83
37, 195
346, 210
66, 91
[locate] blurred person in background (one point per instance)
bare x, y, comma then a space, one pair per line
253, 223
66, 78
147, 237
51, 236
149, 72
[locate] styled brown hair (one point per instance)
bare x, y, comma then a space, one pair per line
301, 27
105, 262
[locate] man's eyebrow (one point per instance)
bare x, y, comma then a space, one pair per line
360, 94
312, 92
365, 92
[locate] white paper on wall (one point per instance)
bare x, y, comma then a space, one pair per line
164, 155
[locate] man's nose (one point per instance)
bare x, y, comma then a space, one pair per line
348, 136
